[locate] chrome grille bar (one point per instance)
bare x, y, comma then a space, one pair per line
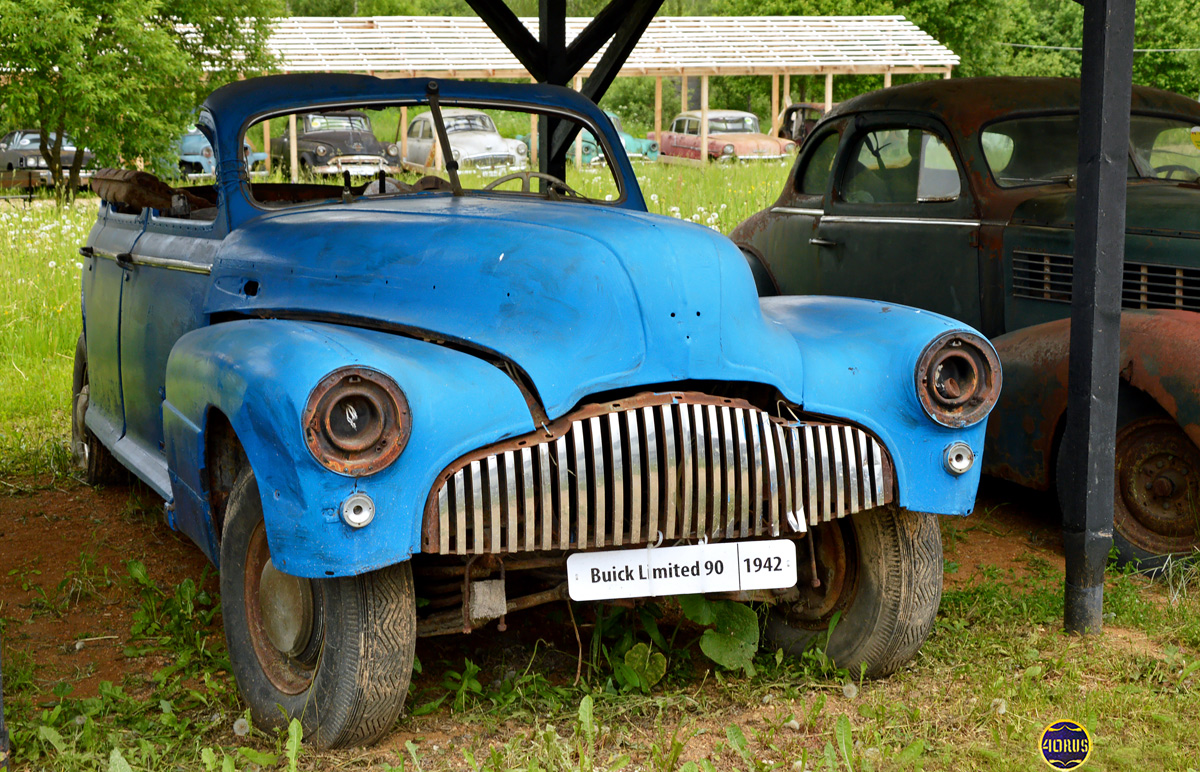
680, 470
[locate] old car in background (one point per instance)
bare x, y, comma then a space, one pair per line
494, 394
959, 197
474, 142
635, 147
22, 163
798, 119
336, 142
196, 154
732, 134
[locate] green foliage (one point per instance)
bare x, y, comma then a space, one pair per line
122, 77
732, 641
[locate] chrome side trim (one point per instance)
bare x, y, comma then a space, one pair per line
797, 210
859, 219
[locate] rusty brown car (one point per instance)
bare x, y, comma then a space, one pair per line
959, 196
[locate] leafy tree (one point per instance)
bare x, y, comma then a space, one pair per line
121, 77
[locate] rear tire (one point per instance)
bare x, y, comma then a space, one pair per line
882, 570
335, 653
1156, 496
97, 463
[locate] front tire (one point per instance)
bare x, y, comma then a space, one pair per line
335, 653
882, 570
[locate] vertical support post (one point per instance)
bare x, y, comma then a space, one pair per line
828, 91
267, 145
403, 136
946, 76
1090, 439
704, 119
293, 154
683, 100
774, 103
552, 32
658, 109
787, 90
534, 157
579, 136
887, 78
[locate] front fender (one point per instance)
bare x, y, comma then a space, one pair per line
1160, 355
860, 360
259, 374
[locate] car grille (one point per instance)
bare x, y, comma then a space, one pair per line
687, 467
1044, 276
486, 161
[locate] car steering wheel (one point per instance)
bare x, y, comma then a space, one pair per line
1168, 169
525, 177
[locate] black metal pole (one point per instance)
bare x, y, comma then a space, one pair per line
1089, 441
552, 30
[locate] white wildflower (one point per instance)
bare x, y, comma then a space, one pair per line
52, 264
1000, 706
654, 197
850, 690
241, 727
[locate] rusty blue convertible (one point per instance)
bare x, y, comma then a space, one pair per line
499, 392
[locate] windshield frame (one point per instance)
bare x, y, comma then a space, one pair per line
446, 102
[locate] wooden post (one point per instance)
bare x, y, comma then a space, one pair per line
787, 90
683, 91
887, 78
658, 110
704, 119
267, 144
293, 156
579, 136
947, 75
828, 91
774, 103
403, 135
533, 136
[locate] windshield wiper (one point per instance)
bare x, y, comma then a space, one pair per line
443, 138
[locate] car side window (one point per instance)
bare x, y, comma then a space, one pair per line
414, 130
693, 126
817, 167
677, 126
900, 166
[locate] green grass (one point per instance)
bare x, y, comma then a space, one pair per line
39, 325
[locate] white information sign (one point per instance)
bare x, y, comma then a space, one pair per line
695, 568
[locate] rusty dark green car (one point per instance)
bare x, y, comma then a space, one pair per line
959, 196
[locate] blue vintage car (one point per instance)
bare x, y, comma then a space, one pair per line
497, 393
196, 154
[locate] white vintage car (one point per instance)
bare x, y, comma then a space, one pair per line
474, 140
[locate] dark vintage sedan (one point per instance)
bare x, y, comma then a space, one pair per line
336, 142
959, 196
22, 163
496, 393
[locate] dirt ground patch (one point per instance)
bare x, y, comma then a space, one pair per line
67, 603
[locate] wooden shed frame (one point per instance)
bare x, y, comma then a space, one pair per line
671, 46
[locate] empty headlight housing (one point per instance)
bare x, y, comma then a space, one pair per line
357, 421
958, 379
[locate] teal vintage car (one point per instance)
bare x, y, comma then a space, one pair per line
635, 147
959, 197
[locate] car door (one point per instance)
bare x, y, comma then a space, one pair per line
420, 140
166, 282
787, 239
105, 269
899, 222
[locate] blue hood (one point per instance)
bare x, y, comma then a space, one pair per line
584, 298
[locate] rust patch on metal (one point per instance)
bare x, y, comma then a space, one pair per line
959, 377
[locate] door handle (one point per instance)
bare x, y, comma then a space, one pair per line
822, 242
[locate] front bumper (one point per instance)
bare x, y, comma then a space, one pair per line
358, 166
